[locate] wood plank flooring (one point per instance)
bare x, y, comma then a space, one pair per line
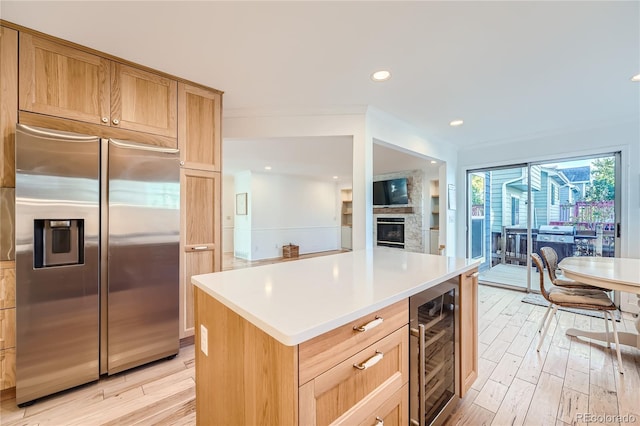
568, 380
516, 384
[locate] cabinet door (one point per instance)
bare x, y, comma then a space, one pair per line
199, 131
392, 412
7, 328
468, 331
143, 101
200, 233
62, 81
7, 368
350, 392
8, 111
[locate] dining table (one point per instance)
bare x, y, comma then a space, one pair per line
613, 273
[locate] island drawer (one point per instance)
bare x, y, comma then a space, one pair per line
325, 351
361, 385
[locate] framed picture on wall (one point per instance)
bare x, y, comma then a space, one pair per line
451, 197
241, 203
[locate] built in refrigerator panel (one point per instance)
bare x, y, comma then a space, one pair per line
57, 228
143, 247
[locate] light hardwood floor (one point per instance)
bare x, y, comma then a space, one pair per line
517, 385
568, 377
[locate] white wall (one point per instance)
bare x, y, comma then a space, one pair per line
364, 126
292, 209
319, 124
228, 212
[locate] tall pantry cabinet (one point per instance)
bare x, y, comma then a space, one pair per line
52, 83
200, 183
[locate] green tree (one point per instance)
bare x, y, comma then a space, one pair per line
477, 190
603, 180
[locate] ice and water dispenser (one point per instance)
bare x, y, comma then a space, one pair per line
58, 242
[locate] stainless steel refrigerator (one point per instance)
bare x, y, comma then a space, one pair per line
97, 258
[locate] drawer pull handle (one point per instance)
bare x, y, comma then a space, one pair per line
370, 362
474, 275
379, 421
199, 248
368, 326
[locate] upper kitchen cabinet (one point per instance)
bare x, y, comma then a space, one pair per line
143, 101
62, 81
199, 127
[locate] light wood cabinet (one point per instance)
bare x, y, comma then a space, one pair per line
392, 412
62, 81
8, 106
468, 321
143, 101
7, 368
248, 377
200, 233
329, 349
341, 394
7, 328
7, 324
199, 132
66, 82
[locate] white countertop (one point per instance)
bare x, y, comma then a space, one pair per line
298, 300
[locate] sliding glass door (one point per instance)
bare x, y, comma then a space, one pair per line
569, 205
498, 218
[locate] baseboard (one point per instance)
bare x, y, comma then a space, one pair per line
187, 341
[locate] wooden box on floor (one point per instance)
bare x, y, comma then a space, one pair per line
290, 251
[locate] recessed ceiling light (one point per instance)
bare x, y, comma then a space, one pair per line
335, 177
267, 167
382, 75
636, 78
433, 162
456, 123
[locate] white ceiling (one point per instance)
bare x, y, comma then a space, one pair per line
511, 70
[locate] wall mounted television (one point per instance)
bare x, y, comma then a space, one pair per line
390, 192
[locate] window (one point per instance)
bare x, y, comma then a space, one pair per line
515, 211
553, 191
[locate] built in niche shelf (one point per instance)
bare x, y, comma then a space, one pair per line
383, 210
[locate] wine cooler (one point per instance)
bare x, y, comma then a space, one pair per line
432, 348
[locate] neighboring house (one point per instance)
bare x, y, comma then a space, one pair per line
579, 177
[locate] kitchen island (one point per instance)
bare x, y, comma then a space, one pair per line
296, 342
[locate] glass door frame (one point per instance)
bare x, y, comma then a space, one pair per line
617, 155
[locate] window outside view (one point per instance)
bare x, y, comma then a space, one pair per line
573, 211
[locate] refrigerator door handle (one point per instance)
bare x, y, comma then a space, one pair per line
145, 147
57, 135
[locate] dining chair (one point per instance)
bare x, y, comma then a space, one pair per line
550, 258
589, 299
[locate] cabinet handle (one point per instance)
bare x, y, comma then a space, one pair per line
368, 326
370, 362
379, 421
116, 121
199, 248
105, 120
474, 275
